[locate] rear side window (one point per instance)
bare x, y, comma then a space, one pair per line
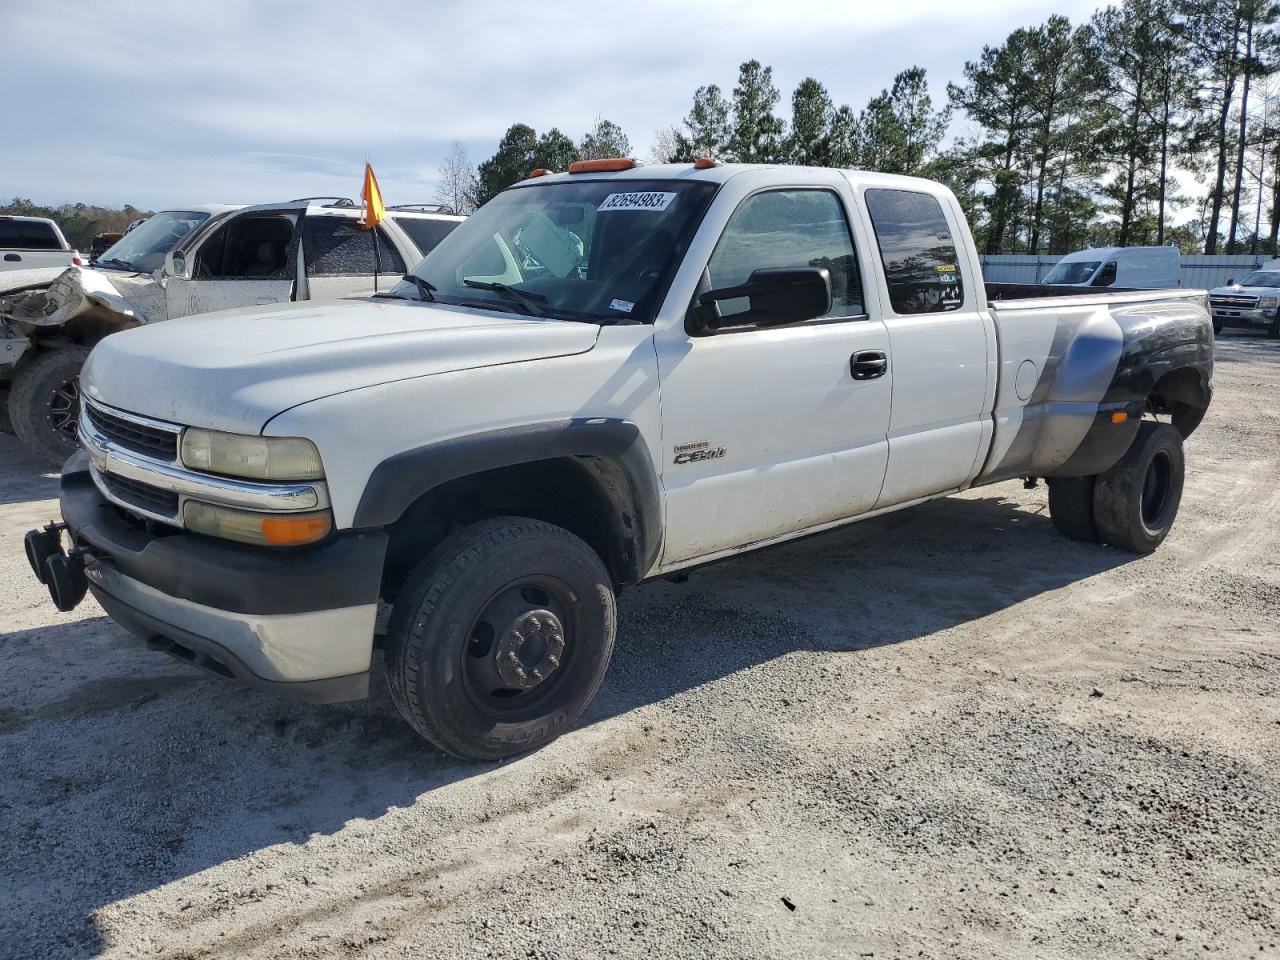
918, 252
25, 235
425, 233
788, 228
340, 247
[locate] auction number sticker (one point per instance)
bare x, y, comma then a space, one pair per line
636, 201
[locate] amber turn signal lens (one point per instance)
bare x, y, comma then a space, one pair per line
705, 163
1119, 417
291, 531
540, 172
599, 166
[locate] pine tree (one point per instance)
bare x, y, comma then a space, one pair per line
920, 127
708, 123
811, 118
517, 154
757, 134
605, 139
997, 95
555, 151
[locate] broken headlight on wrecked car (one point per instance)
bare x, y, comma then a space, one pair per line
249, 457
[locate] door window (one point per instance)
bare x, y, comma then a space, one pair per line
341, 247
1107, 275
254, 247
918, 251
788, 228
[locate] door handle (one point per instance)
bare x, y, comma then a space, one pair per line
868, 365
12, 258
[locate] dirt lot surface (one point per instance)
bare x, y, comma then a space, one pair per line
943, 733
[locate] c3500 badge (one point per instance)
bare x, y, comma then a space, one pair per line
697, 452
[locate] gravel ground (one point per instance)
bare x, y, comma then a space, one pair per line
943, 733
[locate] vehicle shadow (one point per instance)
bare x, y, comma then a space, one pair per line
139, 771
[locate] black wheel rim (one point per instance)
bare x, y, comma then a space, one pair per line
1157, 491
520, 648
64, 408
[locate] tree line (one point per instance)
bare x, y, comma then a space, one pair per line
1065, 135
79, 222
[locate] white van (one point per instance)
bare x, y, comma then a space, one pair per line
1142, 268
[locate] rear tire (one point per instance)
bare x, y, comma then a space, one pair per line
44, 403
1136, 501
500, 638
1071, 508
1217, 326
1273, 331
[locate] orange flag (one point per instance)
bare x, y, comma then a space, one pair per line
373, 208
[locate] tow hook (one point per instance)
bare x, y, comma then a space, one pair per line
62, 573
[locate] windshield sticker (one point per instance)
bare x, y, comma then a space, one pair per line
626, 306
636, 201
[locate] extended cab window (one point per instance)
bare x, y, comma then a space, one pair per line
918, 251
788, 228
253, 247
425, 233
341, 247
26, 235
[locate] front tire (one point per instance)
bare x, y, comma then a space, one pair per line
500, 638
1136, 501
44, 403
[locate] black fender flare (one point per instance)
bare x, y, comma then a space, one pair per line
400, 481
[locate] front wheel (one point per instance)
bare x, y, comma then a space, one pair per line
1135, 502
500, 638
44, 403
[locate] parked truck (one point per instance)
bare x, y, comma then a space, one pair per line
602, 377
183, 262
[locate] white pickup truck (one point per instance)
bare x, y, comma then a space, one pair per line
603, 376
36, 244
182, 262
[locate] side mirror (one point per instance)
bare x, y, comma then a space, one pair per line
175, 265
778, 296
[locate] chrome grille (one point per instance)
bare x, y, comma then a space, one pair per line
134, 433
1234, 303
151, 500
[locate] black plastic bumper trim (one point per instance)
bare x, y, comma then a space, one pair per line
343, 571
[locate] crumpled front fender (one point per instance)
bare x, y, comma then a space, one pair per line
77, 291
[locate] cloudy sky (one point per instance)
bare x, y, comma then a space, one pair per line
163, 102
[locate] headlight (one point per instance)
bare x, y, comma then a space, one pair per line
1268, 303
254, 458
264, 529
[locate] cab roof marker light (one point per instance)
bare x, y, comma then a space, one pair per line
706, 163
602, 166
539, 172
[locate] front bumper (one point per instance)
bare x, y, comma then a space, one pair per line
1235, 317
296, 621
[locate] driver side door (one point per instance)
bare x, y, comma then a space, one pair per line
250, 259
769, 432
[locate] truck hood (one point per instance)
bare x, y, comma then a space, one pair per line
236, 369
1235, 290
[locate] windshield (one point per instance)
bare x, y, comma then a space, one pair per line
596, 250
145, 246
1072, 273
1262, 278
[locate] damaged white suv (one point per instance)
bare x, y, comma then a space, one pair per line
184, 262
